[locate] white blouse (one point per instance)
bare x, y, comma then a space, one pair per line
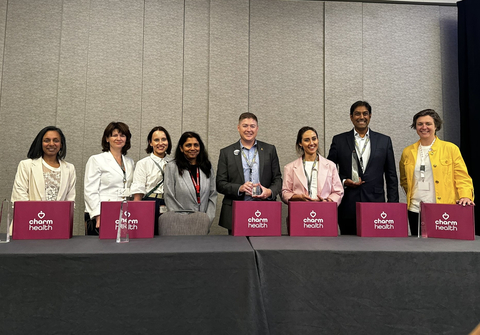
147, 175
308, 170
423, 188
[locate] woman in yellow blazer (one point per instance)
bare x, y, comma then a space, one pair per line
432, 170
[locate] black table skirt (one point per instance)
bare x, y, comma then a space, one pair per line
235, 285
352, 285
169, 285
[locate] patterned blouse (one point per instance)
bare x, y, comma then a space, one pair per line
52, 177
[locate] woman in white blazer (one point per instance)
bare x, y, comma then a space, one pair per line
190, 179
108, 175
45, 175
148, 178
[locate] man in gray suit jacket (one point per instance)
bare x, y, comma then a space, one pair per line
247, 170
364, 158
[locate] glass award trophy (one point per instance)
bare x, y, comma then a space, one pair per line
122, 227
355, 174
5, 221
256, 189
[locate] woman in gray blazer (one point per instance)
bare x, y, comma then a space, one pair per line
190, 179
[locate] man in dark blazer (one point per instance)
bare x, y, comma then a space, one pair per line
372, 156
247, 166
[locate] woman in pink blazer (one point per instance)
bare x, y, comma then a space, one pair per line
311, 177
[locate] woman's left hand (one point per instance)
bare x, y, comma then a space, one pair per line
465, 201
323, 199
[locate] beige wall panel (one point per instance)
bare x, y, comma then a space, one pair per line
6, 175
402, 68
29, 80
72, 83
162, 69
343, 65
228, 80
114, 74
3, 21
286, 72
449, 49
188, 64
195, 81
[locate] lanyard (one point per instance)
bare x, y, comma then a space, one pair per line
122, 166
196, 183
159, 167
161, 181
161, 170
423, 155
250, 163
309, 179
363, 150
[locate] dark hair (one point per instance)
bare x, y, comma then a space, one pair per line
36, 149
360, 104
202, 159
122, 129
428, 112
149, 148
247, 115
302, 131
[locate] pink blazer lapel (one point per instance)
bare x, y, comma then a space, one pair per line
322, 174
300, 173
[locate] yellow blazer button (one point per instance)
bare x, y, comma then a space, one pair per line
435, 165
439, 198
436, 181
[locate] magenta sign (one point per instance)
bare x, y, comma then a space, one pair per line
257, 218
37, 220
382, 219
311, 218
139, 218
447, 221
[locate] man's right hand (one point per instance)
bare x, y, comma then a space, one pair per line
351, 183
246, 188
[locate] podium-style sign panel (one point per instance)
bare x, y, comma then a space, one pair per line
140, 219
447, 221
257, 218
382, 219
38, 220
311, 218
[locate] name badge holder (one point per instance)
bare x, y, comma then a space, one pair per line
5, 221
